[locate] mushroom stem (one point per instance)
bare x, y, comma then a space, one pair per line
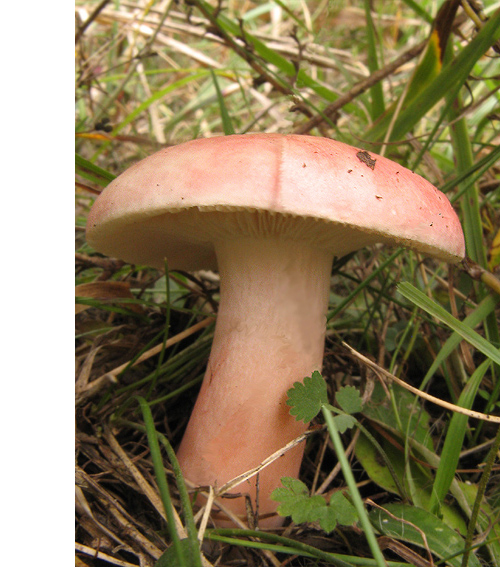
269, 334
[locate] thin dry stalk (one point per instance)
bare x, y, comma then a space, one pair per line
143, 484
86, 391
444, 404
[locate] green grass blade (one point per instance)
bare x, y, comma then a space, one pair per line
470, 205
92, 172
478, 315
376, 92
181, 486
287, 9
161, 480
300, 548
421, 300
454, 440
227, 124
450, 79
342, 305
466, 178
353, 489
157, 96
185, 502
490, 461
268, 56
419, 10
471, 214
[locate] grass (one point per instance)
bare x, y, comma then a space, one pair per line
150, 74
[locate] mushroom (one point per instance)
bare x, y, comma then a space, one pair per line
270, 212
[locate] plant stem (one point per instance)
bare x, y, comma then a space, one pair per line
490, 460
161, 479
353, 489
181, 487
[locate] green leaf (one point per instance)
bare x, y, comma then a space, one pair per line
170, 557
346, 513
401, 414
487, 511
344, 422
408, 523
326, 517
297, 503
307, 398
295, 500
349, 399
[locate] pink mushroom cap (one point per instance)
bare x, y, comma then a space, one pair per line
270, 212
304, 177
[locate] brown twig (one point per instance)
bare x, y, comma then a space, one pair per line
90, 19
110, 377
477, 272
243, 51
359, 88
452, 407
